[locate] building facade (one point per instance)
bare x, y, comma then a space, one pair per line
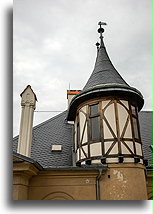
96, 150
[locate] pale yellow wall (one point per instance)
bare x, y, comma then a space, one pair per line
118, 182
149, 185
126, 182
76, 185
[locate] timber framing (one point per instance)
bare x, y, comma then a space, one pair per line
117, 136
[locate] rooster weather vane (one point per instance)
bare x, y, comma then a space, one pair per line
100, 30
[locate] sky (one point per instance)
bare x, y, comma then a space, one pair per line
54, 48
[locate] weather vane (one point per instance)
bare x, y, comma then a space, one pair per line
101, 30
102, 23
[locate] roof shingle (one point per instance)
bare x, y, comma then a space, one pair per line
51, 132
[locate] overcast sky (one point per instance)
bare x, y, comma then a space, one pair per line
54, 45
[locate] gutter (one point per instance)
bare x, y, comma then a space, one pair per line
97, 185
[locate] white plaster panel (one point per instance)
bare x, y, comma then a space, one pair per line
82, 122
82, 154
110, 116
122, 114
128, 132
107, 145
84, 109
130, 145
128, 160
124, 149
114, 149
104, 103
96, 161
95, 149
85, 148
107, 133
138, 148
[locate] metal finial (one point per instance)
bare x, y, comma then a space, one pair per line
97, 44
101, 30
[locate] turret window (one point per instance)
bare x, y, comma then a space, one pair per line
135, 121
93, 110
95, 130
135, 126
94, 122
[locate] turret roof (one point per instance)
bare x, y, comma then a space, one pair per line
104, 81
104, 72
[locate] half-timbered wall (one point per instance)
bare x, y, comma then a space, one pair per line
107, 131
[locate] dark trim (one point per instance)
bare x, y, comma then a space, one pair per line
125, 127
27, 159
98, 185
111, 156
110, 148
103, 91
127, 147
117, 127
82, 167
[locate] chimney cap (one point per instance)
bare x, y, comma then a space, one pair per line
29, 86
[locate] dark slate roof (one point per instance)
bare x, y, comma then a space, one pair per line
104, 81
104, 72
145, 118
57, 131
54, 131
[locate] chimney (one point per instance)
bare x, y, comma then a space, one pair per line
28, 103
71, 94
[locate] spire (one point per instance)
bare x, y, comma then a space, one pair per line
104, 72
104, 81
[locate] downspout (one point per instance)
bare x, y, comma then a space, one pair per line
97, 185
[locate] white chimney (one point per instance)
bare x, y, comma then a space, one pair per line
28, 103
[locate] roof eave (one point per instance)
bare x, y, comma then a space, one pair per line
101, 91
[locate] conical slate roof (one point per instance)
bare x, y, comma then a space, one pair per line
104, 72
104, 81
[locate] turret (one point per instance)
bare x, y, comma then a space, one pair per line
106, 120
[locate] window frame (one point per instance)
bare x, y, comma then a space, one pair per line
91, 116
